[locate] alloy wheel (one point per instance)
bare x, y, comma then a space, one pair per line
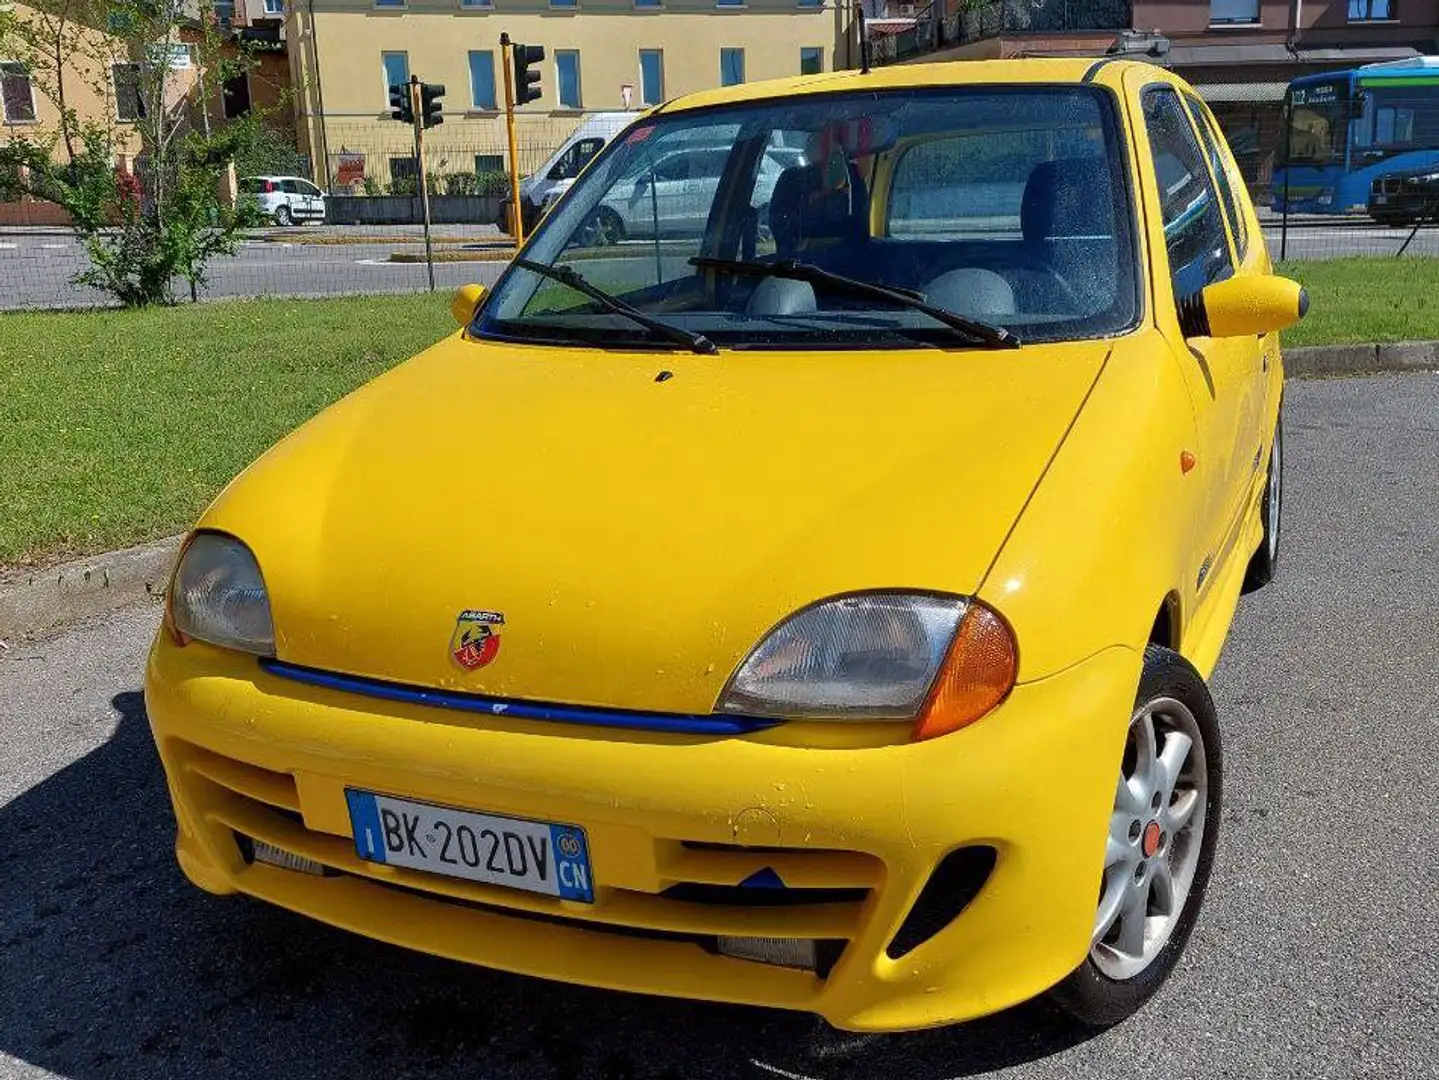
1156, 832
1276, 492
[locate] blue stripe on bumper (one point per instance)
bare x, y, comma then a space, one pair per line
711, 724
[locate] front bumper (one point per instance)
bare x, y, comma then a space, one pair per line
249, 753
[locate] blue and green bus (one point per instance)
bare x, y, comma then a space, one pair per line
1345, 129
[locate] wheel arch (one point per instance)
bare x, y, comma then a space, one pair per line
1168, 628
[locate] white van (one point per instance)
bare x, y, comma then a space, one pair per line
554, 177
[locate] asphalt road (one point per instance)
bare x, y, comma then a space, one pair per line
36, 266
1315, 957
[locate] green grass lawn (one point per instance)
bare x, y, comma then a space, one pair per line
1384, 299
120, 426
116, 427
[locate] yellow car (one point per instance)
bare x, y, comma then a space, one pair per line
807, 605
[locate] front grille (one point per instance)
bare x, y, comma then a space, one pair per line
704, 890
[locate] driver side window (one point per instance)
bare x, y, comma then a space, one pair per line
1194, 234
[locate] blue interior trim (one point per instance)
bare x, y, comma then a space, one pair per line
706, 724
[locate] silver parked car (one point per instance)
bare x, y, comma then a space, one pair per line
674, 197
286, 200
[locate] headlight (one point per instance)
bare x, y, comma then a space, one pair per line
942, 661
219, 597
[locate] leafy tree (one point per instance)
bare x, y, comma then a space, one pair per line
166, 222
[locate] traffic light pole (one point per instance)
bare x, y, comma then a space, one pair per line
517, 214
417, 107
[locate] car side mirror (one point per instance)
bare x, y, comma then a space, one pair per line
464, 302
1243, 306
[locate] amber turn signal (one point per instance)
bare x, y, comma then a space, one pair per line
977, 675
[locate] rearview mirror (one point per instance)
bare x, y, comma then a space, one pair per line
1243, 306
464, 302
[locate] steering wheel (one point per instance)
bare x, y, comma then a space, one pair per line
1068, 297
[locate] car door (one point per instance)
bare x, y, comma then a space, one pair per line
314, 199
1217, 371
698, 191
290, 196
656, 206
1251, 258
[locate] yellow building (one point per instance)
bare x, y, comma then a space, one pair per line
601, 55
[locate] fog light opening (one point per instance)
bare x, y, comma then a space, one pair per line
952, 887
258, 851
781, 952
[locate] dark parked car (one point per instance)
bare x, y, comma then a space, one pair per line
1403, 198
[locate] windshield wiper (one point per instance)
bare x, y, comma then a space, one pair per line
575, 280
996, 336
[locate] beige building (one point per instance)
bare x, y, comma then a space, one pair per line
600, 55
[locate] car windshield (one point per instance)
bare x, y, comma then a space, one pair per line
1007, 206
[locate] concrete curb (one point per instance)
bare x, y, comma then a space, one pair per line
1319, 361
37, 602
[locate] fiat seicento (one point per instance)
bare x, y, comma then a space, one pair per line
807, 604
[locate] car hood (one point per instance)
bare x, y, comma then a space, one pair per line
640, 520
1419, 172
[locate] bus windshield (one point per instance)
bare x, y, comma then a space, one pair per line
1318, 120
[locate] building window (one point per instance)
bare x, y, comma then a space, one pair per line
129, 102
396, 66
235, 96
811, 3
564, 3
1233, 12
729, 3
224, 10
567, 78
16, 93
389, 3
485, 4
648, 4
489, 163
652, 76
811, 60
482, 79
1370, 11
274, 7
731, 67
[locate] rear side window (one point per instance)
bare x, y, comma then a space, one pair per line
1220, 166
289, 187
1194, 233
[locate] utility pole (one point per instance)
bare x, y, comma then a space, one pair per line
417, 109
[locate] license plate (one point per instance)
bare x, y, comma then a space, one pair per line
532, 855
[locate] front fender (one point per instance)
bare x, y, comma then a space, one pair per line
1104, 539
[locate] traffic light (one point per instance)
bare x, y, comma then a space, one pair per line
527, 82
431, 108
400, 108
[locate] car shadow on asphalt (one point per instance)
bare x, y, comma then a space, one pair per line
112, 965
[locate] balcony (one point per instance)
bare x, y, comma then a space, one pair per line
931, 28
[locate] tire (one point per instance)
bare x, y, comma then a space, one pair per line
283, 217
1112, 983
1263, 562
602, 228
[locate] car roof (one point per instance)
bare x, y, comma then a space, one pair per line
901, 76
